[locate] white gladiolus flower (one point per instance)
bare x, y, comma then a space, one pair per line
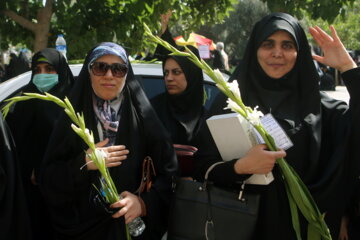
254, 116
234, 88
232, 105
100, 156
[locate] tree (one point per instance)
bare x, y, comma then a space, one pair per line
326, 9
236, 29
38, 28
346, 26
87, 22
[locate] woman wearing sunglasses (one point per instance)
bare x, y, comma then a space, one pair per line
31, 123
126, 128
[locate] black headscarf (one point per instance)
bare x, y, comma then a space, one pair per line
186, 108
299, 87
58, 61
70, 191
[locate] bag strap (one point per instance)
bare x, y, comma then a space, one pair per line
208, 172
148, 170
209, 225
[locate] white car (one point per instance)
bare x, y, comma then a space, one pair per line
150, 76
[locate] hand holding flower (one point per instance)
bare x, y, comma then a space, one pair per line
130, 207
114, 155
258, 160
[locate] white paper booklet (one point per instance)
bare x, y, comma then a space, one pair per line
234, 136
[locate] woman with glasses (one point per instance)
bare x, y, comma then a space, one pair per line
31, 123
126, 128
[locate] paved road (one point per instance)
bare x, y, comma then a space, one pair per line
340, 93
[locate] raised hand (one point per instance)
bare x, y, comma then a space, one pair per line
335, 54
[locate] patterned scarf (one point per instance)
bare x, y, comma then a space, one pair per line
107, 114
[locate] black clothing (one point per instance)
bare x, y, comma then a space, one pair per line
318, 126
182, 114
70, 191
31, 123
31, 136
218, 60
17, 65
14, 219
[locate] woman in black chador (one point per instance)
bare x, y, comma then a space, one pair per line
181, 106
31, 123
278, 75
126, 127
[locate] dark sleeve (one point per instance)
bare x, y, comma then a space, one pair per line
340, 134
61, 178
208, 154
14, 218
352, 81
160, 51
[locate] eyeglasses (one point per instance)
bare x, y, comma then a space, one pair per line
101, 68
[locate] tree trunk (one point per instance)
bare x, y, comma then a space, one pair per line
40, 29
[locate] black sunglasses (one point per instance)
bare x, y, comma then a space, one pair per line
101, 68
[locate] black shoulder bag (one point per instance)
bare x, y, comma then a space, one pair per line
203, 211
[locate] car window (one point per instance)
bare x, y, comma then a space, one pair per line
211, 92
152, 86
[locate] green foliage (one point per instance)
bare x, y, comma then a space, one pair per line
87, 22
346, 26
325, 9
10, 31
236, 29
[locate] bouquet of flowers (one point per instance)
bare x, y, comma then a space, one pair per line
108, 188
298, 194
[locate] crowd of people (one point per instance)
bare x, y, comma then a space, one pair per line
52, 190
18, 64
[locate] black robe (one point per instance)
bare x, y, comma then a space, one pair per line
319, 127
31, 123
70, 191
14, 218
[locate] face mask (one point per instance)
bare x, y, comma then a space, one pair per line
44, 82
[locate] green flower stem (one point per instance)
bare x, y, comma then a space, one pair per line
298, 194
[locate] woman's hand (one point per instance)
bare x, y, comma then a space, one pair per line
335, 54
258, 160
343, 234
131, 207
114, 154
